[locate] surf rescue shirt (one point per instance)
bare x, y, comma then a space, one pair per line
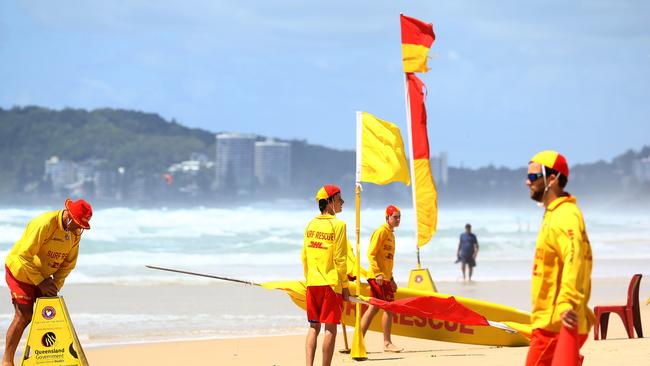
562, 268
324, 253
381, 253
44, 250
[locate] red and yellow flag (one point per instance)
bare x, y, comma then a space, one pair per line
425, 194
417, 38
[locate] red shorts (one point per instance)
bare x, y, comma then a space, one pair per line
323, 305
542, 347
21, 292
384, 292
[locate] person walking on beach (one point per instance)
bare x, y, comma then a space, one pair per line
561, 281
380, 274
467, 251
39, 262
324, 258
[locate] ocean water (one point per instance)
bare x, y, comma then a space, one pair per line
263, 243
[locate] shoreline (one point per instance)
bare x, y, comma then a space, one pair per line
178, 324
289, 351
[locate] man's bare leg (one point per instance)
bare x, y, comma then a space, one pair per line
310, 344
462, 266
366, 319
386, 325
329, 341
22, 317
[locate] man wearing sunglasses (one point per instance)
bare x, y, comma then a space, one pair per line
561, 281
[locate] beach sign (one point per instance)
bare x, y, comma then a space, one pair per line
52, 339
420, 279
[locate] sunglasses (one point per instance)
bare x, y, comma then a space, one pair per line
534, 176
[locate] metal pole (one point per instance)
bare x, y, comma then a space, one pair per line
203, 275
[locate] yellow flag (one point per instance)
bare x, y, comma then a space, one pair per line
426, 198
383, 159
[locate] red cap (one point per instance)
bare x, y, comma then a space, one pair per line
552, 159
327, 191
80, 212
391, 209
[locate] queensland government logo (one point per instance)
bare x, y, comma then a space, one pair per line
48, 312
48, 339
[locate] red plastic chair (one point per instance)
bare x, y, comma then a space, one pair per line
629, 313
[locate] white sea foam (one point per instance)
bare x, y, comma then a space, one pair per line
230, 242
264, 243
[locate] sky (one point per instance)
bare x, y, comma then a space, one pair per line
508, 78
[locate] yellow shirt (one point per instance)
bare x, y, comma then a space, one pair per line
324, 253
381, 253
44, 250
562, 268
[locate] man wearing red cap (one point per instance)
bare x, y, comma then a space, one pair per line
561, 283
380, 274
39, 262
324, 259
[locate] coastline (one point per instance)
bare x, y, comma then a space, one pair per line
270, 329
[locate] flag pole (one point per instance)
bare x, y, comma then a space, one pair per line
358, 351
409, 124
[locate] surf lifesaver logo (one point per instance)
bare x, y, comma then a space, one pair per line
48, 312
48, 339
418, 279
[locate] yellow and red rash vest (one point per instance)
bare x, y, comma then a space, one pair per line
562, 268
44, 250
324, 253
381, 253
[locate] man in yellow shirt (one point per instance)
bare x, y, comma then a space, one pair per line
561, 282
380, 274
39, 262
324, 259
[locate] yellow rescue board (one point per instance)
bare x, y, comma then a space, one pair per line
417, 327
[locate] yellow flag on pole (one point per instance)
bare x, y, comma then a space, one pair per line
383, 159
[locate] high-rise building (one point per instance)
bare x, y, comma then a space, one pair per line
642, 169
235, 162
273, 163
439, 168
60, 172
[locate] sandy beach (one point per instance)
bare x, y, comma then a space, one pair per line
265, 347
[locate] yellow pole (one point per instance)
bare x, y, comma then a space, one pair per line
358, 352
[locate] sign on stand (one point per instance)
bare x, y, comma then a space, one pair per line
52, 339
420, 279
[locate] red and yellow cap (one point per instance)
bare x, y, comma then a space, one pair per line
327, 191
552, 159
391, 209
80, 211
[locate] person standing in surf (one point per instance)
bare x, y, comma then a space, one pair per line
39, 262
380, 274
467, 251
324, 259
561, 281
